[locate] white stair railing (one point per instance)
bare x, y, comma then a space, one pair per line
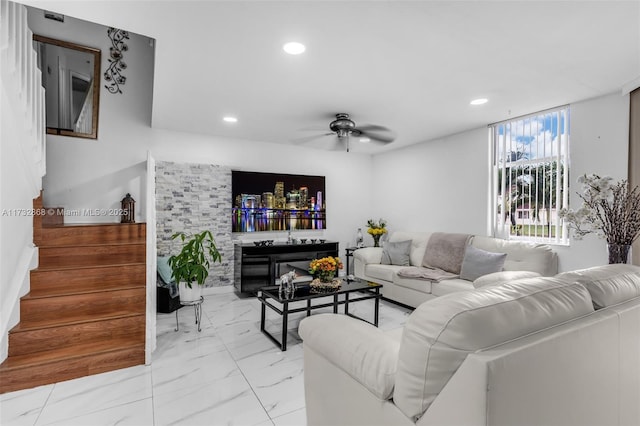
22, 120
22, 85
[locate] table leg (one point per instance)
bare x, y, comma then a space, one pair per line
376, 308
309, 307
335, 303
346, 303
177, 326
262, 314
285, 320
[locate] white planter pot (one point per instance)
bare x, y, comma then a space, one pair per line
188, 295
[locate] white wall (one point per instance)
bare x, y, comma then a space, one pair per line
599, 144
441, 185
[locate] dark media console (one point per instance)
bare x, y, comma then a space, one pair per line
258, 266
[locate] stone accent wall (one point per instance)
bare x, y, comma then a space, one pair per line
193, 198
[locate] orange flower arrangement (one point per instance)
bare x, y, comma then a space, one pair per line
325, 269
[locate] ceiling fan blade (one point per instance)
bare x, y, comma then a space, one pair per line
314, 129
307, 139
372, 127
377, 137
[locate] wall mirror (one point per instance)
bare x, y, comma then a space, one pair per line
71, 78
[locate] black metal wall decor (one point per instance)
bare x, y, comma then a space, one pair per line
113, 74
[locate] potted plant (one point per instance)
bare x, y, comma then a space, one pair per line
192, 264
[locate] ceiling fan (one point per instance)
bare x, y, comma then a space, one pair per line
344, 127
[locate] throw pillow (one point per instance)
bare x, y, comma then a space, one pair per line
445, 251
477, 263
165, 270
502, 277
396, 253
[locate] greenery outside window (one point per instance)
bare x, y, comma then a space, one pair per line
529, 174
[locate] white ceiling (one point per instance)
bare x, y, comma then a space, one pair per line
411, 66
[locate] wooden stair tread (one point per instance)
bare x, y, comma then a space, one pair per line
68, 353
89, 233
89, 224
70, 267
90, 245
89, 289
89, 255
69, 320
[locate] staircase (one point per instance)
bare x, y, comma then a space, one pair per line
85, 313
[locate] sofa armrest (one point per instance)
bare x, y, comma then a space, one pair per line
358, 348
368, 255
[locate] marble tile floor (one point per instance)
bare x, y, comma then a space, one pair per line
227, 374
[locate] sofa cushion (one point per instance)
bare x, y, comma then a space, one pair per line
382, 272
478, 262
445, 251
423, 286
608, 284
450, 286
441, 332
499, 278
396, 253
521, 256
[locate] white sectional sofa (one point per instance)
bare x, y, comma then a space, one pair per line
520, 256
561, 350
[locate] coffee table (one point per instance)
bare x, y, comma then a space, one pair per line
342, 296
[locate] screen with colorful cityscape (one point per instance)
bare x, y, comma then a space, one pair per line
277, 202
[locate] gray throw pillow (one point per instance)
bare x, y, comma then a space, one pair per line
477, 263
396, 253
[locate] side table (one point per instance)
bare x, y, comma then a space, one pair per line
197, 307
349, 253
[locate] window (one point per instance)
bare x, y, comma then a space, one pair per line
530, 169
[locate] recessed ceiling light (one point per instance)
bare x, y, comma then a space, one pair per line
479, 101
365, 140
230, 119
294, 48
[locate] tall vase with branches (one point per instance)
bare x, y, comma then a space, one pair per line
610, 210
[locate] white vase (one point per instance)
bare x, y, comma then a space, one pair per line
189, 295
